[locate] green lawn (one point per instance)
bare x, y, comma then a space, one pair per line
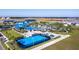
71, 43
11, 34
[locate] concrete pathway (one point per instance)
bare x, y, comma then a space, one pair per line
52, 42
1, 47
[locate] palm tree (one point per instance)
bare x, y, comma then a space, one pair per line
69, 28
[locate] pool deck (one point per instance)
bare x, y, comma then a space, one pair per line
32, 32
47, 44
51, 43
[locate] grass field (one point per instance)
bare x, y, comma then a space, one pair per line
71, 43
11, 34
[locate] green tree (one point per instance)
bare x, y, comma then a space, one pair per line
58, 25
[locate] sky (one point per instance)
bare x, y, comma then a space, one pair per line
40, 12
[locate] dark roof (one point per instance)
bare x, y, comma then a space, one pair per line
1, 35
30, 20
9, 21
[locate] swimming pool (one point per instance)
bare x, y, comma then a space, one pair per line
26, 42
25, 26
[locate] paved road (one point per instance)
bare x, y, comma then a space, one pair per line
50, 43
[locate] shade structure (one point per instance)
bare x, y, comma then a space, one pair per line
32, 40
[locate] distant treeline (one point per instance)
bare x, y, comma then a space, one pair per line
41, 17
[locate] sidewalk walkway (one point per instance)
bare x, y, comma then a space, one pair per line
52, 42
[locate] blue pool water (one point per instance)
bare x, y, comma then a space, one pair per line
20, 25
32, 40
31, 28
25, 26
